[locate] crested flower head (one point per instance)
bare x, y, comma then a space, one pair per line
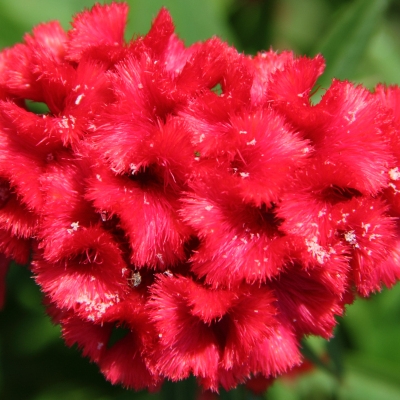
189, 210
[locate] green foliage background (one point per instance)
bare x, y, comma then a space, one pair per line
360, 41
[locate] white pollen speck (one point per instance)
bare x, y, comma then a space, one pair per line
352, 117
394, 174
135, 279
365, 227
160, 335
374, 236
393, 186
251, 143
103, 216
95, 305
74, 227
316, 250
140, 86
202, 136
133, 168
209, 208
64, 122
351, 238
256, 311
98, 177
92, 127
79, 98
244, 174
243, 132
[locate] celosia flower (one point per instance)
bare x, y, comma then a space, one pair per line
176, 230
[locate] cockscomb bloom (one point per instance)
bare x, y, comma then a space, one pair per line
189, 210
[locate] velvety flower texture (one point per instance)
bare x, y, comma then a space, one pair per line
188, 210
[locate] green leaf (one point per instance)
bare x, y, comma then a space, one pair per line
347, 40
309, 353
364, 386
384, 57
336, 351
194, 20
381, 369
181, 390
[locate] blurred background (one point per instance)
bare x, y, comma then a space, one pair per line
360, 41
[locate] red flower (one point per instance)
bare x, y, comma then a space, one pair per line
209, 332
189, 210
